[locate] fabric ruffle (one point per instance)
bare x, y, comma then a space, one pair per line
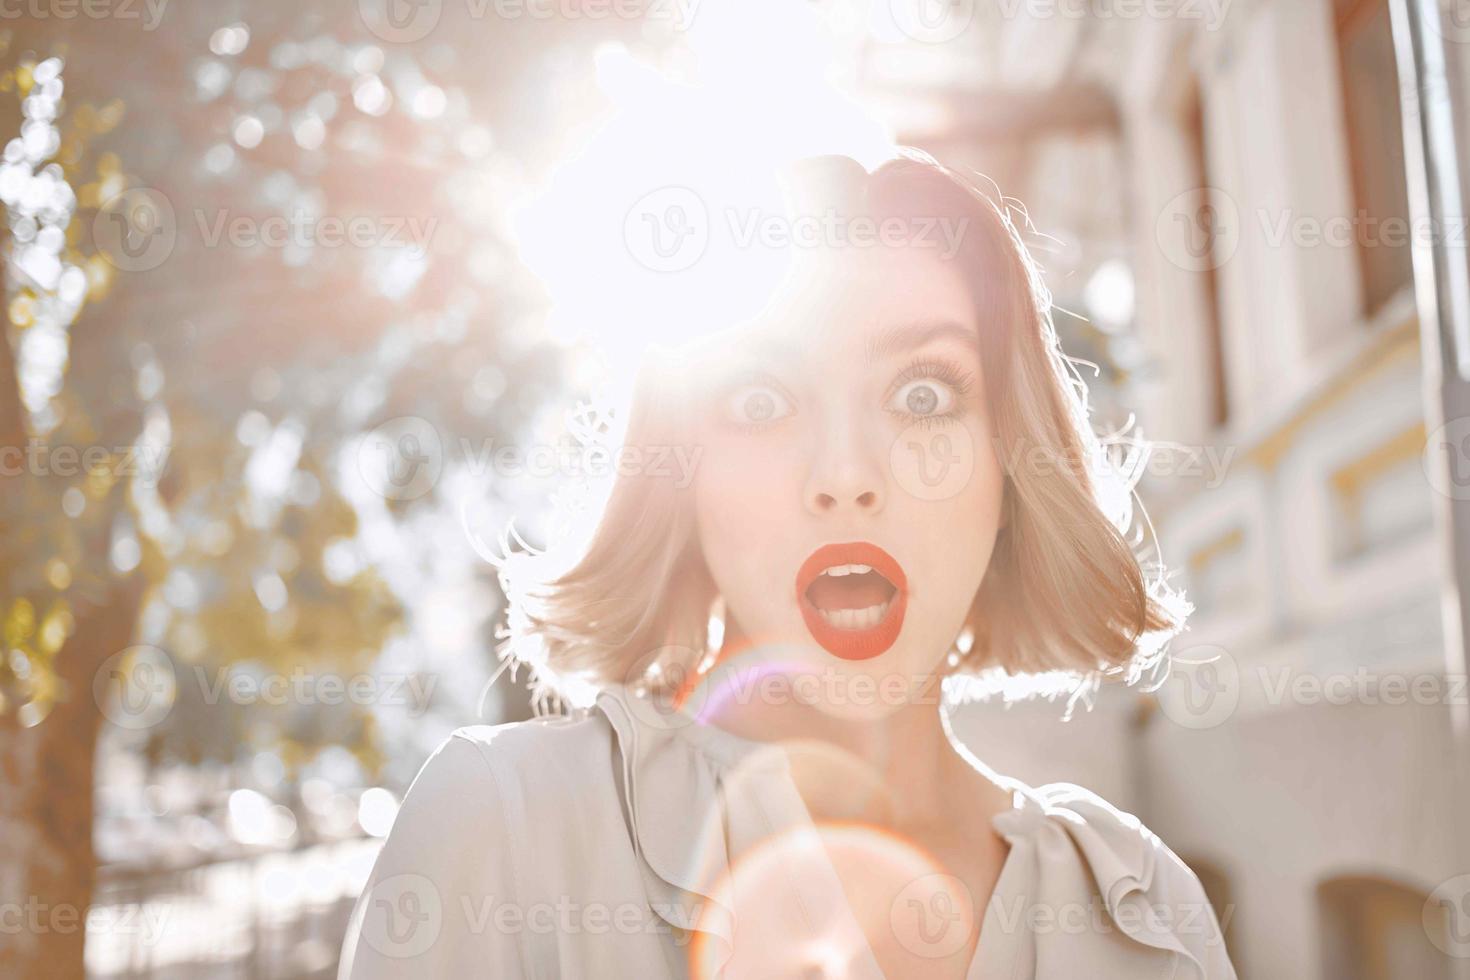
676, 774
1135, 875
673, 772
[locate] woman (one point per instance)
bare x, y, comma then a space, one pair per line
896, 482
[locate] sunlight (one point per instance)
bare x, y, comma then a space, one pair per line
661, 221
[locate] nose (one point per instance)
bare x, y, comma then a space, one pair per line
846, 476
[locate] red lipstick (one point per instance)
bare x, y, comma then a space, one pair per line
853, 598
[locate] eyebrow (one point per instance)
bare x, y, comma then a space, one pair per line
911, 336
886, 342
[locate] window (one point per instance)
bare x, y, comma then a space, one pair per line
1373, 929
1194, 130
1374, 127
1217, 889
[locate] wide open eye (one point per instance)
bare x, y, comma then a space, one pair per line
756, 404
923, 398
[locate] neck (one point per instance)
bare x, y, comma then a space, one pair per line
898, 769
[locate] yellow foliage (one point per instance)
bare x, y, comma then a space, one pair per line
99, 277
101, 478
23, 309
56, 626
110, 116
58, 573
20, 622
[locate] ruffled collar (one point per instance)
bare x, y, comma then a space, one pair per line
1049, 825
674, 768
675, 773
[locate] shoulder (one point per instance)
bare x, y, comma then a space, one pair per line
477, 794
560, 745
1148, 892
485, 823
1122, 851
520, 774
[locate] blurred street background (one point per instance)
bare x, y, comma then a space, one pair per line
259, 256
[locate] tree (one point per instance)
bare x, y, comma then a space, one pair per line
188, 413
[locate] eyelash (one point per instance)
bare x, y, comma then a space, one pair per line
945, 372
752, 380
958, 380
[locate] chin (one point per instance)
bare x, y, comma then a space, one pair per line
867, 689
874, 688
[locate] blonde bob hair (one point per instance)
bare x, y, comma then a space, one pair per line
1066, 593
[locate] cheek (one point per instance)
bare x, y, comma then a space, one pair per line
978, 513
746, 499
749, 481
958, 533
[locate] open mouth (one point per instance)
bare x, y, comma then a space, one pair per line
852, 597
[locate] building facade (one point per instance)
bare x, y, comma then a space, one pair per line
1298, 757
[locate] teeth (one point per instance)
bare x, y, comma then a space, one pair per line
838, 571
856, 619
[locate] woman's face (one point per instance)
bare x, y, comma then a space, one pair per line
848, 497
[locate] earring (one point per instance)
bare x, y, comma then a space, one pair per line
963, 644
714, 636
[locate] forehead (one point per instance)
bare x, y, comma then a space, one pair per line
845, 296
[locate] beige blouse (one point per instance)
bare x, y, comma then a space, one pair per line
592, 845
